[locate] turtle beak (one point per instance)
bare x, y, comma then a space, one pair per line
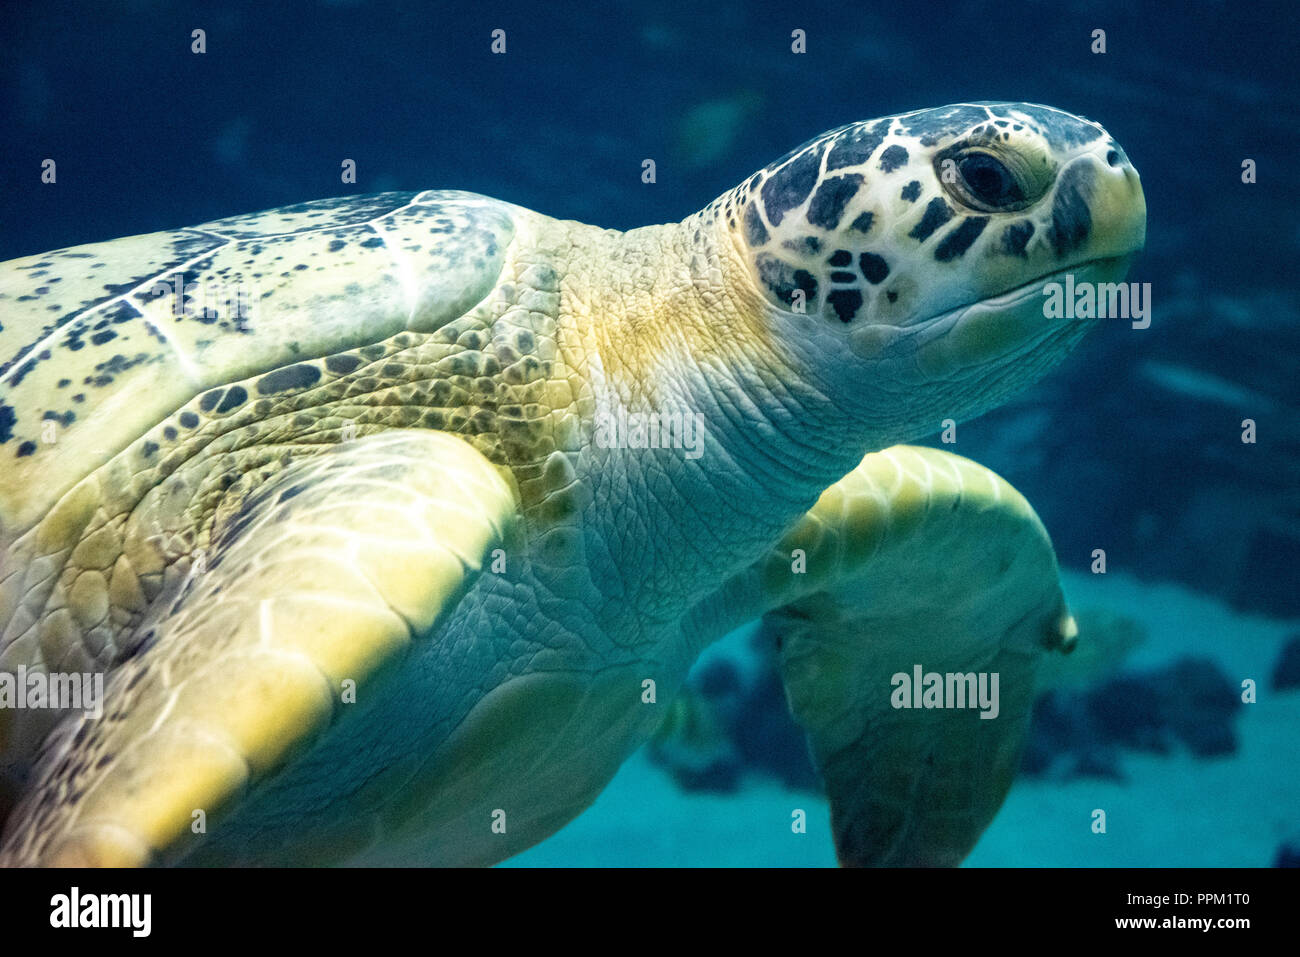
1117, 205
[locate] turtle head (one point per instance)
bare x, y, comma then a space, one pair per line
907, 257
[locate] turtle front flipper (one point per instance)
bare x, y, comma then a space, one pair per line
328, 573
910, 608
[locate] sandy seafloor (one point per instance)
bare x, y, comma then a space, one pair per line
1172, 810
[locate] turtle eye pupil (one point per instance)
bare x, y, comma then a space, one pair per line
988, 180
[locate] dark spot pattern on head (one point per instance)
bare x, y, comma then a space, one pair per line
841, 257
832, 196
299, 376
863, 223
26, 449
892, 158
959, 240
783, 279
912, 191
805, 245
1071, 217
937, 212
7, 420
845, 302
874, 268
1016, 237
932, 125
854, 146
755, 231
1061, 130
791, 183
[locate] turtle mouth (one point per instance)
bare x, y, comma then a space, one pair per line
1017, 295
1010, 298
985, 333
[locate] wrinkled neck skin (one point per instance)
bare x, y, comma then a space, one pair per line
665, 319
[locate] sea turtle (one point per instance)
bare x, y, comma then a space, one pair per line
393, 522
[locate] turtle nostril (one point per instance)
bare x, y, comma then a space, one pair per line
1112, 158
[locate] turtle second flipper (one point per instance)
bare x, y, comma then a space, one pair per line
910, 608
326, 574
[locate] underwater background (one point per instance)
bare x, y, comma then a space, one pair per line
1133, 446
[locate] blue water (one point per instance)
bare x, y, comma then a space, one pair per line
1132, 446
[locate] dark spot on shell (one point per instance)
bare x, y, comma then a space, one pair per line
26, 449
7, 420
840, 258
912, 191
863, 223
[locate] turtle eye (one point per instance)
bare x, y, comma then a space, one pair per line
988, 182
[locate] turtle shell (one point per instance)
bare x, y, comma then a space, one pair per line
100, 342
